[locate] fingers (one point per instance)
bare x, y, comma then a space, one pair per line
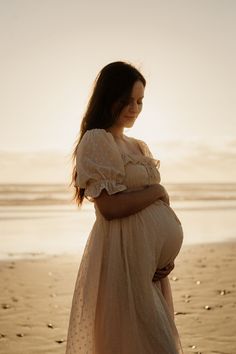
165, 199
163, 272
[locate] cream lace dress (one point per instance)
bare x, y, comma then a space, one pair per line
116, 308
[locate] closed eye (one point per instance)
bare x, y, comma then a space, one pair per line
139, 101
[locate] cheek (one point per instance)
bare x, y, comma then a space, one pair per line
123, 113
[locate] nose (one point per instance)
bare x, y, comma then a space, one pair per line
133, 107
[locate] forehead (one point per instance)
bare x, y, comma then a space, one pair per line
138, 89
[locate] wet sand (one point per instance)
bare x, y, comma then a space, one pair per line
36, 296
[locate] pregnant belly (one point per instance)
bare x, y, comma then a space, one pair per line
164, 231
151, 238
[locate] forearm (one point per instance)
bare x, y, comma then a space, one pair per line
125, 204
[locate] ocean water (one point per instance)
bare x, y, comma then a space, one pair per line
36, 220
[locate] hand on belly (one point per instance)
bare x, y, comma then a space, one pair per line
163, 272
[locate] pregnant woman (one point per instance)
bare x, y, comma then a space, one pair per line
122, 301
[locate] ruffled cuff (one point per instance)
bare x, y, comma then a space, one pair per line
94, 189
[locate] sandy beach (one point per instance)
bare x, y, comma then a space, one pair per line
36, 295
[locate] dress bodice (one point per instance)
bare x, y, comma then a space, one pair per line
140, 171
101, 164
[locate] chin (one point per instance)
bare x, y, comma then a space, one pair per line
129, 125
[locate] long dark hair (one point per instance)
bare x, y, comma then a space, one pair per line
111, 93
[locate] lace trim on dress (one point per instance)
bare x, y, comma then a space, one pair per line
145, 160
152, 165
94, 188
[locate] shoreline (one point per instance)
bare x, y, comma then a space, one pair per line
21, 256
37, 292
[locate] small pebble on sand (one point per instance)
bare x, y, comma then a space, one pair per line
53, 295
11, 267
50, 325
59, 341
223, 292
180, 313
207, 307
192, 346
6, 306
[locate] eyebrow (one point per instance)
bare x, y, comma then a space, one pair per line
138, 97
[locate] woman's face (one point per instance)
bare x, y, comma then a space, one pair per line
131, 111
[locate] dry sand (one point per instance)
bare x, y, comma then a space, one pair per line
36, 295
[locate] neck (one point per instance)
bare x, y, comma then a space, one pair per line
117, 132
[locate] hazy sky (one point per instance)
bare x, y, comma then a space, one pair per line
52, 50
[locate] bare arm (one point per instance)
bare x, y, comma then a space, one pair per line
120, 205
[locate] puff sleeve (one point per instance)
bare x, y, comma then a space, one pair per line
99, 164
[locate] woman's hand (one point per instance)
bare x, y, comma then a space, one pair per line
164, 195
163, 272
